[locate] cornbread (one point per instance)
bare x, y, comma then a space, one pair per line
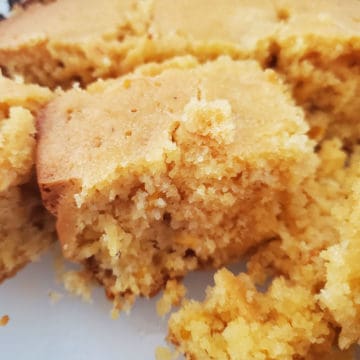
70, 41
233, 130
238, 322
153, 176
25, 227
174, 292
341, 291
307, 295
314, 45
66, 41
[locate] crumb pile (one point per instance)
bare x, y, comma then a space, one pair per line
233, 127
25, 228
172, 174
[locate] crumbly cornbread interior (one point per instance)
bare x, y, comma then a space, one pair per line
25, 227
309, 292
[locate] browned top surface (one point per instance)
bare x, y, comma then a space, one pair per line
232, 21
129, 124
65, 20
240, 22
245, 22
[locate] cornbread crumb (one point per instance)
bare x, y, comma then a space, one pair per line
78, 283
55, 296
114, 313
174, 292
189, 179
4, 320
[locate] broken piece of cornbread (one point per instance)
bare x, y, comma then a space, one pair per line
236, 321
25, 227
153, 176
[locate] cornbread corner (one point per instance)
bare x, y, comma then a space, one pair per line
153, 176
25, 228
318, 51
307, 273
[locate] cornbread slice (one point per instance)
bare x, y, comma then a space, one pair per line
153, 176
66, 41
25, 227
292, 317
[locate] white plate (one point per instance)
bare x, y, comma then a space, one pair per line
71, 329
4, 7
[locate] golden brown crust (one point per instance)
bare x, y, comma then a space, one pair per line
129, 33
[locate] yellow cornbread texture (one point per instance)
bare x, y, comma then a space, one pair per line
70, 41
312, 275
153, 176
197, 157
315, 45
25, 227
